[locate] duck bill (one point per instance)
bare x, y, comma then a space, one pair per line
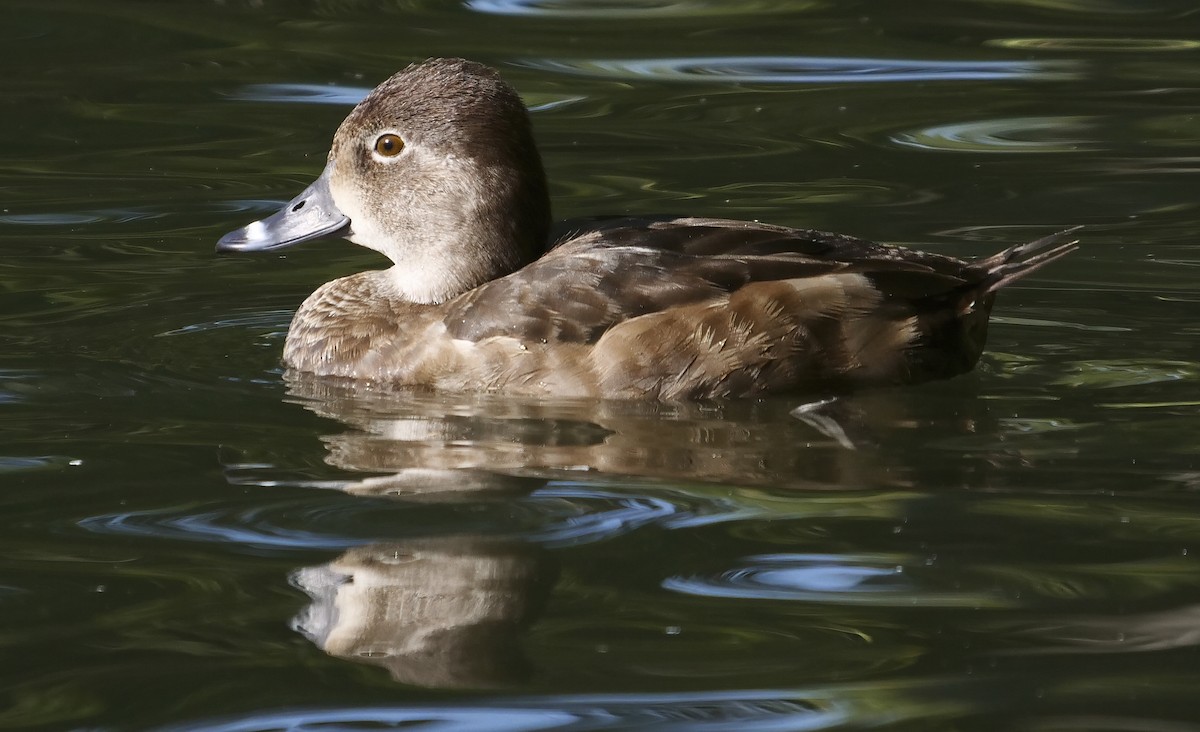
311, 215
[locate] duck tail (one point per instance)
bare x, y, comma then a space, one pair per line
1014, 263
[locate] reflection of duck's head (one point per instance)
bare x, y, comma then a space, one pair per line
437, 169
439, 612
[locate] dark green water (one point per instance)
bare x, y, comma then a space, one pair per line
191, 543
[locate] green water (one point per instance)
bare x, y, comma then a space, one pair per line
192, 542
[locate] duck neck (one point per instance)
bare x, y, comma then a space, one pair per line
453, 243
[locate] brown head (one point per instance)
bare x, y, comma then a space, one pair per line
437, 169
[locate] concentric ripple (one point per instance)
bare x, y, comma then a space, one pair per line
254, 528
560, 514
628, 512
848, 579
626, 8
751, 711
1012, 135
805, 69
347, 96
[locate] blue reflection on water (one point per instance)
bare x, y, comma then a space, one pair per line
806, 69
842, 578
347, 96
830, 578
565, 514
629, 511
731, 711
611, 9
306, 93
758, 69
214, 526
18, 463
795, 576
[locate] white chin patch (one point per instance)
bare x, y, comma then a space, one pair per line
368, 240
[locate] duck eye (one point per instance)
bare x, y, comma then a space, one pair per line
389, 145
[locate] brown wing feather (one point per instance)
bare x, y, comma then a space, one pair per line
624, 268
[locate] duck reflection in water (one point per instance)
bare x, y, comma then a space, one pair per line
445, 612
429, 446
450, 610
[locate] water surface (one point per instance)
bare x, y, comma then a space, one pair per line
196, 541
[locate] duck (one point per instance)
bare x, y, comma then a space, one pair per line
437, 169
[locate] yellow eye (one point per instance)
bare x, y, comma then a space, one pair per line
389, 145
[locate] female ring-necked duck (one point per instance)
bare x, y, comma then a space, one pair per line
437, 169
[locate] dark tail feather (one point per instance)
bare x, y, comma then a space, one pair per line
1014, 263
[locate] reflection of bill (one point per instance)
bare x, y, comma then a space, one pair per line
445, 612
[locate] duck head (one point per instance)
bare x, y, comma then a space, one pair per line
436, 169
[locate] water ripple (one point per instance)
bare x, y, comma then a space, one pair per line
1122, 373
272, 320
1011, 135
848, 579
250, 528
805, 69
130, 214
628, 512
76, 218
1095, 44
15, 384
626, 8
302, 93
20, 463
347, 96
753, 711
561, 514
50, 219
